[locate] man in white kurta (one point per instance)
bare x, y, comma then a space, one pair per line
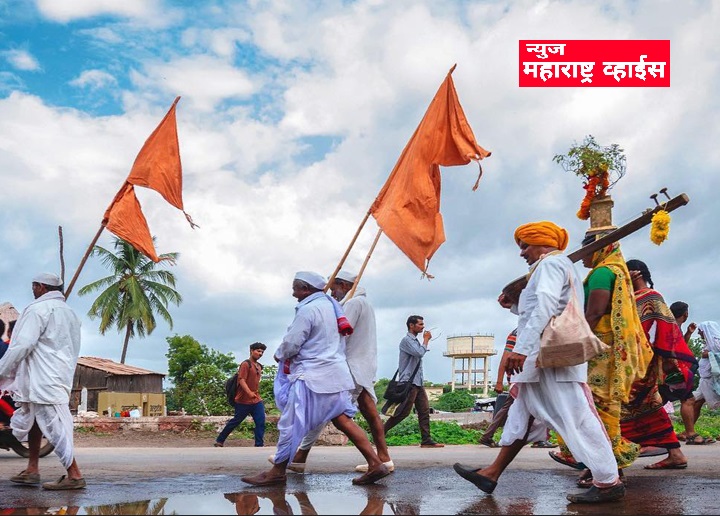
314, 382
38, 369
558, 398
361, 356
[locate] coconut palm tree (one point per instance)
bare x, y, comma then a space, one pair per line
134, 292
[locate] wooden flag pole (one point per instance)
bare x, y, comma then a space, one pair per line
62, 255
362, 269
82, 262
347, 252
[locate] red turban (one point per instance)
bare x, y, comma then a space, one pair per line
542, 233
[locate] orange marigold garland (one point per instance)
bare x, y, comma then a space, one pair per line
660, 227
596, 186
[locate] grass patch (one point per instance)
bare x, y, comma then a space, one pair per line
246, 430
408, 432
707, 425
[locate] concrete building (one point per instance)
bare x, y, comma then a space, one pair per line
465, 350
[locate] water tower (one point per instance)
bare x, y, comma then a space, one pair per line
467, 349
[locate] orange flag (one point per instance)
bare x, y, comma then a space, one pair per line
125, 219
157, 166
408, 206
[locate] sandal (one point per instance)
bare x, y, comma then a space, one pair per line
566, 460
490, 444
693, 439
585, 480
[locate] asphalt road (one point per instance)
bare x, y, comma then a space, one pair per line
207, 481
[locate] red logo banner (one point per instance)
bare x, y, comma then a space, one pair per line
595, 63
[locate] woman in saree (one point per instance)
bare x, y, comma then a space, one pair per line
671, 371
612, 314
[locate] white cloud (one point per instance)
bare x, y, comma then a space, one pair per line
70, 10
269, 203
94, 79
22, 60
203, 80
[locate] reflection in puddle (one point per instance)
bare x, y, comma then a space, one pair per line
260, 501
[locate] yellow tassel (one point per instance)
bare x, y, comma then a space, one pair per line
660, 227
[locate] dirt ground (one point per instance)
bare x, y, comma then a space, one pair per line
139, 439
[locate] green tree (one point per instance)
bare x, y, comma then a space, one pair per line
696, 346
198, 374
456, 401
133, 293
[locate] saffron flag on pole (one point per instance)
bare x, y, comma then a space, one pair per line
157, 166
125, 219
407, 208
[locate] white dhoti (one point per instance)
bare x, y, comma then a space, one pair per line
54, 421
706, 392
312, 436
304, 411
567, 407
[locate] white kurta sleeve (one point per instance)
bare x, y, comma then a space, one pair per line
551, 277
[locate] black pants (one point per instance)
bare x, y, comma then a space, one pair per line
417, 397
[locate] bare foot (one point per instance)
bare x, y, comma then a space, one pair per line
264, 479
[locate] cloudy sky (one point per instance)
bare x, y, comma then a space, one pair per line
291, 118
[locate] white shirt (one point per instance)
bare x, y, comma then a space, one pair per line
315, 348
546, 295
44, 352
361, 346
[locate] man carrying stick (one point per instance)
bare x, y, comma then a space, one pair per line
550, 397
314, 382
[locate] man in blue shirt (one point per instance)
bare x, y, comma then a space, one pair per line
411, 354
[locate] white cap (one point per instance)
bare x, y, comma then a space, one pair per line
45, 278
346, 276
312, 278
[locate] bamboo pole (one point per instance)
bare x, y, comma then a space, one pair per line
82, 262
362, 269
62, 257
347, 252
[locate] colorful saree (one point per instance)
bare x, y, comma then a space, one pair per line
644, 420
612, 374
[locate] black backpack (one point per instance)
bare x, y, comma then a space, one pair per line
231, 389
231, 385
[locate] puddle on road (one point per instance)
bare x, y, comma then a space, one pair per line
261, 501
411, 492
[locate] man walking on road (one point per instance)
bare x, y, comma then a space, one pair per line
314, 382
40, 365
361, 355
411, 355
247, 399
549, 397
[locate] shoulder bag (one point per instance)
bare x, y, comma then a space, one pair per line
568, 340
397, 392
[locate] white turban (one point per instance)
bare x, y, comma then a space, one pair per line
312, 278
45, 278
346, 276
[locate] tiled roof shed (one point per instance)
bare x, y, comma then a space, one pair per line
102, 374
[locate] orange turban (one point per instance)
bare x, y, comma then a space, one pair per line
542, 233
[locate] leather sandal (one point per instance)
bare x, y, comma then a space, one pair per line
585, 480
